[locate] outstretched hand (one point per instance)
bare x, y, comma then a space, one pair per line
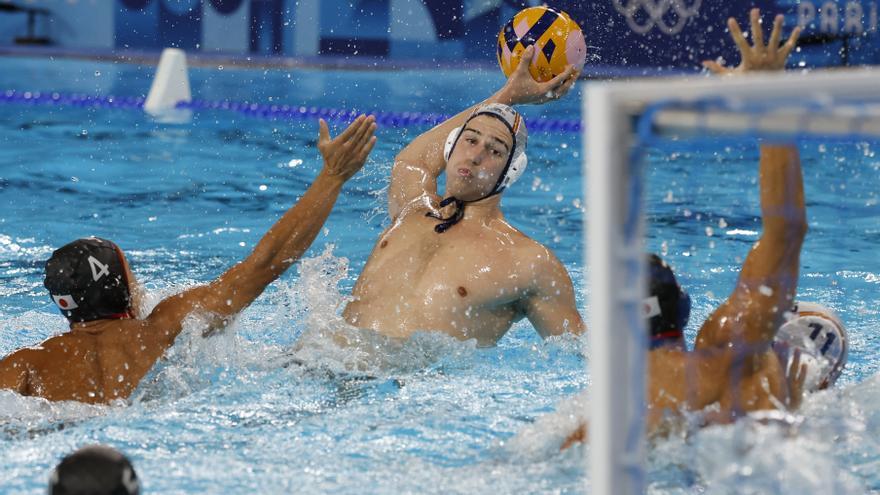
757, 57
521, 88
345, 154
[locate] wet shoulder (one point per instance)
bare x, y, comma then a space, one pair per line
530, 254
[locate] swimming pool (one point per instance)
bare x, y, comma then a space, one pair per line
230, 414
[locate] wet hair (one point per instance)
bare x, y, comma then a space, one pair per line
87, 280
94, 470
667, 306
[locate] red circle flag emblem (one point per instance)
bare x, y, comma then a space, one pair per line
65, 302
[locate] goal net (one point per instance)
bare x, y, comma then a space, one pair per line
624, 122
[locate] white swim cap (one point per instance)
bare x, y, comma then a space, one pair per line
516, 163
821, 337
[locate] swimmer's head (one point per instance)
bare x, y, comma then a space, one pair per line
89, 279
667, 306
820, 336
94, 470
487, 154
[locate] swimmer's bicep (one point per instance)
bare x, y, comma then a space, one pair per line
764, 290
550, 305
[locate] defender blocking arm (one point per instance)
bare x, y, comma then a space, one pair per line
416, 167
768, 281
282, 245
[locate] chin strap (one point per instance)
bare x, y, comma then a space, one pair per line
450, 221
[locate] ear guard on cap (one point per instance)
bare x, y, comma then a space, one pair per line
450, 142
517, 167
820, 336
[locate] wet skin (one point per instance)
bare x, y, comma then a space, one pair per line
477, 278
104, 360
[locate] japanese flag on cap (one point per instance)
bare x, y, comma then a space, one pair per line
65, 302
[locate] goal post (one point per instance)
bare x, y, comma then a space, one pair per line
795, 103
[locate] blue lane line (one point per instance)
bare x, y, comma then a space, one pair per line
258, 110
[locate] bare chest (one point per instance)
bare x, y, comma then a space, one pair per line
462, 267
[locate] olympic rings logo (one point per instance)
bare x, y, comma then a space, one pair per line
669, 16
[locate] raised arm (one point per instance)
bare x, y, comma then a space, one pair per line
281, 246
768, 280
417, 167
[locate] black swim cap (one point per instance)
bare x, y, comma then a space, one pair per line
667, 306
87, 280
94, 470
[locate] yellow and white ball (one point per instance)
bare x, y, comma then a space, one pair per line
558, 42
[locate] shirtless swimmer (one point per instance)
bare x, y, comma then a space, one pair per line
456, 265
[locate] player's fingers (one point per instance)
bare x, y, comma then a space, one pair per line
366, 149
757, 32
352, 128
323, 131
775, 35
554, 85
525, 56
364, 131
737, 35
791, 43
715, 67
568, 84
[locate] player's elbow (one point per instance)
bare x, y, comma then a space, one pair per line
790, 231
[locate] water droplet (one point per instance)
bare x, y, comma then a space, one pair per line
263, 187
97, 73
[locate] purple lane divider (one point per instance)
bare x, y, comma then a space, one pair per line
257, 110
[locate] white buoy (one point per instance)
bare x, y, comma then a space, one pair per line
170, 85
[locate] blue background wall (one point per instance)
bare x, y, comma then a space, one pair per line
620, 33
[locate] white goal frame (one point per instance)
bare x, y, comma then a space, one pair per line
615, 264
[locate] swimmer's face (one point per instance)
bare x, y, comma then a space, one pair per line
478, 158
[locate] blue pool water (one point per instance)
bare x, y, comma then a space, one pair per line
228, 414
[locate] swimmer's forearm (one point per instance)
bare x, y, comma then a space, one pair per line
292, 235
280, 247
782, 192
